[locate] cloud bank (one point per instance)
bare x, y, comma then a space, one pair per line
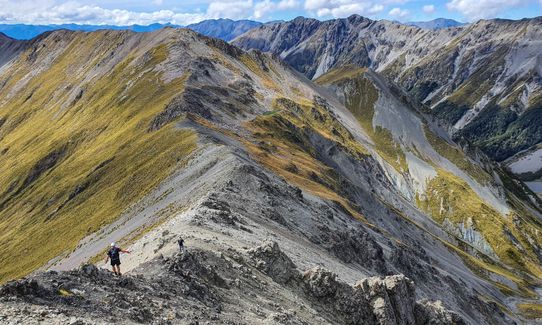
55, 12
191, 11
479, 9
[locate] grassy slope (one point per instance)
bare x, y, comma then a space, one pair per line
531, 311
283, 146
449, 197
107, 158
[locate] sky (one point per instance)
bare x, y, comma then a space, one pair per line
183, 12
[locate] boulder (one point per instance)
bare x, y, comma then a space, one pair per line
89, 269
434, 313
391, 298
269, 259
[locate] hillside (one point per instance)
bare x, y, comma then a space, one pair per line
483, 80
141, 138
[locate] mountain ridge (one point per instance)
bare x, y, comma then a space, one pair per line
170, 133
442, 68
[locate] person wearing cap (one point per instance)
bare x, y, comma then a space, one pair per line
114, 254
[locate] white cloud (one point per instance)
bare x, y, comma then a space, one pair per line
398, 12
428, 9
50, 12
478, 9
230, 9
266, 7
343, 8
61, 12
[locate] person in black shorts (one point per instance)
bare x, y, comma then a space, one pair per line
114, 254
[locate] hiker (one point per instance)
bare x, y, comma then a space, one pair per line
181, 245
114, 255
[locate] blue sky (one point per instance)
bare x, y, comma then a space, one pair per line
124, 12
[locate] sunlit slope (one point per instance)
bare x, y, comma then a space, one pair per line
86, 126
75, 144
499, 233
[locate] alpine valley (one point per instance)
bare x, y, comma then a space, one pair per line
341, 172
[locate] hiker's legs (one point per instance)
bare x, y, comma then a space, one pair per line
116, 269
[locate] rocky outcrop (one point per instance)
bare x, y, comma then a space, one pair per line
376, 300
433, 312
391, 298
194, 287
272, 261
206, 101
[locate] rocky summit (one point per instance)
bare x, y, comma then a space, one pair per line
336, 200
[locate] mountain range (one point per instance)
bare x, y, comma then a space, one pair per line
225, 29
27, 32
481, 80
346, 176
437, 23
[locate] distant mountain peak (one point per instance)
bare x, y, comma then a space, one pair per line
437, 23
225, 29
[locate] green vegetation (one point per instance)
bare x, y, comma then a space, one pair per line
482, 265
65, 293
501, 133
450, 112
423, 89
480, 81
497, 129
75, 166
520, 190
450, 198
396, 67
